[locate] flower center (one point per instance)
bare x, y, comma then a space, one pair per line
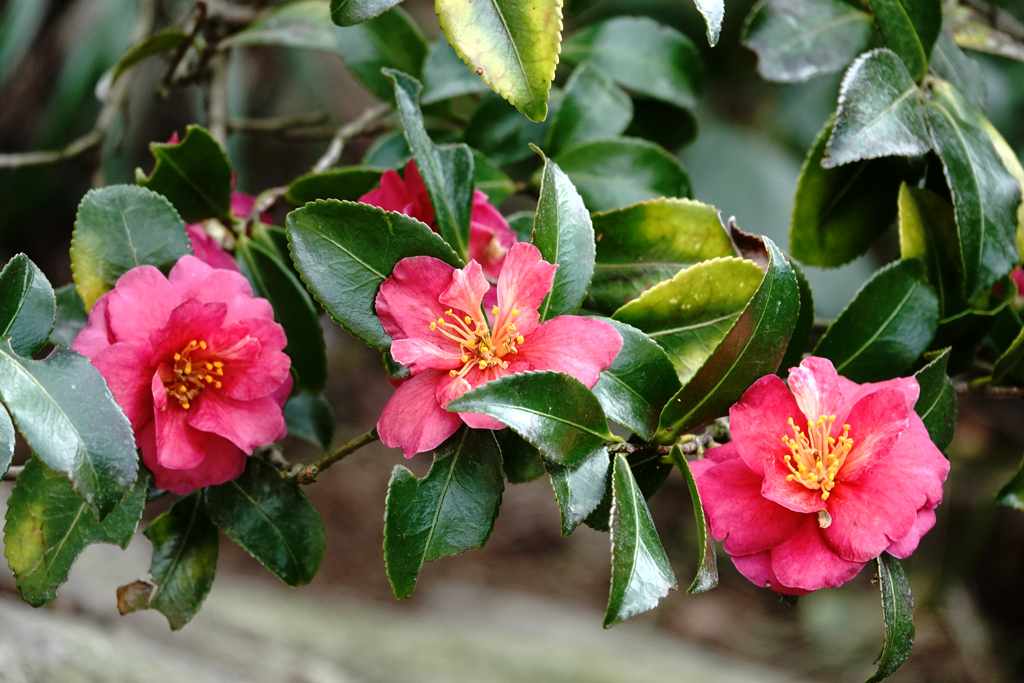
816, 457
191, 376
479, 347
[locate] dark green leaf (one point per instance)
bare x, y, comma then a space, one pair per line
501, 133
888, 324
580, 488
449, 511
1012, 493
349, 183
909, 28
158, 43
641, 573
344, 252
194, 174
352, 12
392, 41
521, 460
68, 417
6, 441
927, 231
804, 322
707, 565
985, 195
649, 472
27, 306
119, 228
310, 417
71, 316
447, 172
879, 112
643, 56
446, 76
394, 369
898, 615
644, 244
491, 180
48, 525
302, 25
662, 123
966, 329
563, 232
614, 173
552, 411
798, 39
522, 224
753, 348
964, 73
388, 151
593, 108
937, 405
713, 12
272, 520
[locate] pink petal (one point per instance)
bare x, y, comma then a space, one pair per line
283, 392
876, 422
757, 567
141, 302
576, 346
806, 562
525, 280
129, 374
490, 236
815, 384
789, 494
854, 392
419, 199
96, 335
209, 250
222, 463
450, 388
906, 546
178, 446
391, 195
188, 274
254, 366
413, 420
467, 290
191, 320
247, 424
241, 207
408, 301
419, 355
223, 286
761, 418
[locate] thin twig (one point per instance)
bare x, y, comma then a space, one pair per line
306, 474
12, 474
280, 124
168, 81
989, 391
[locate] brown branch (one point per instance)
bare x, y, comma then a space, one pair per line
306, 474
169, 79
12, 474
988, 390
277, 125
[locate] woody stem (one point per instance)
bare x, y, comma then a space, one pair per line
306, 474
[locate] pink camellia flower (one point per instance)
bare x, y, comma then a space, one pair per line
490, 236
820, 478
433, 313
196, 363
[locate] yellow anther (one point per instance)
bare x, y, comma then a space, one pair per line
452, 373
177, 356
465, 358
217, 364
483, 364
182, 389
433, 326
209, 366
788, 458
448, 312
511, 327
515, 311
846, 428
519, 339
494, 310
202, 345
208, 379
790, 422
824, 495
831, 418
217, 384
220, 371
185, 405
789, 477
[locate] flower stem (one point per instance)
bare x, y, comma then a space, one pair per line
306, 474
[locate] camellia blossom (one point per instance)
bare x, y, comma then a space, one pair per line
433, 313
490, 236
820, 478
196, 363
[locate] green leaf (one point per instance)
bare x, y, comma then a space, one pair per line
512, 45
642, 56
937, 405
391, 41
888, 324
909, 28
119, 228
6, 441
388, 151
272, 520
964, 73
1013, 166
71, 316
691, 314
1012, 493
593, 108
838, 212
1010, 359
352, 12
563, 232
635, 389
69, 418
48, 525
649, 472
898, 614
552, 411
449, 511
491, 180
966, 329
753, 348
985, 195
879, 112
273, 280
349, 184
445, 75
522, 224
979, 32
302, 25
447, 172
714, 13
27, 306
707, 565
804, 322
927, 231
310, 417
345, 250
644, 244
641, 573
158, 43
501, 133
194, 174
521, 460
798, 39
579, 488
662, 123
614, 173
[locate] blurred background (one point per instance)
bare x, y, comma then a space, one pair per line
527, 607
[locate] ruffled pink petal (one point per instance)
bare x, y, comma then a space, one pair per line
191, 320
757, 567
247, 424
876, 422
815, 385
450, 388
806, 562
283, 392
905, 547
525, 280
391, 195
579, 347
241, 207
419, 199
419, 355
413, 420
253, 364
141, 301
195, 279
466, 291
96, 335
129, 374
853, 392
209, 250
178, 446
490, 236
789, 494
222, 463
408, 301
761, 418
916, 463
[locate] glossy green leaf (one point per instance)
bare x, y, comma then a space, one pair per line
119, 228
48, 525
352, 12
713, 12
447, 172
927, 230
1012, 493
593, 108
501, 133
449, 511
985, 195
552, 411
909, 28
707, 564
71, 316
491, 180
888, 324
1009, 361
311, 418
691, 314
804, 322
641, 573
937, 405
522, 224
964, 73
649, 472
798, 39
563, 232
304, 25
647, 243
345, 250
898, 615
662, 123
642, 56
158, 43
348, 184
445, 75
69, 418
521, 460
272, 520
610, 174
753, 348
391, 40
6, 441
965, 329
1011, 162
27, 306
194, 174
879, 112
980, 30
579, 488
635, 389
512, 45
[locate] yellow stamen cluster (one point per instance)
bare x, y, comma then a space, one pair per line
816, 457
476, 341
192, 376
